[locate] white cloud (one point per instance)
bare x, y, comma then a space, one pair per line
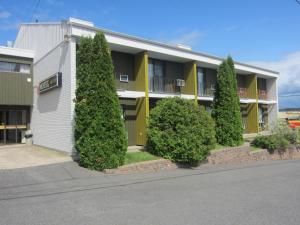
4, 14
187, 38
181, 36
289, 78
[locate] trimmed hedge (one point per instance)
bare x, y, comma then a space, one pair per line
180, 131
100, 137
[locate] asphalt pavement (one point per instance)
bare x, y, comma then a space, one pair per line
260, 193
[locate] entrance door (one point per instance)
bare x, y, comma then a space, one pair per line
15, 119
12, 125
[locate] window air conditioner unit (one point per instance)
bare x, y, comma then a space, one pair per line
180, 83
123, 78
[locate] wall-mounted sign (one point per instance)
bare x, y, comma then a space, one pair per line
50, 83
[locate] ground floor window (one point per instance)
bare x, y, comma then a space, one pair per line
13, 124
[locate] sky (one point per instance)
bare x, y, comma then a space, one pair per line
260, 32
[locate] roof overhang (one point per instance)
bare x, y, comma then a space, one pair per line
16, 52
131, 44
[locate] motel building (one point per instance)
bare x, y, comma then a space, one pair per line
38, 83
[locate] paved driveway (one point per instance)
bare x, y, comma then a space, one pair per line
20, 156
263, 193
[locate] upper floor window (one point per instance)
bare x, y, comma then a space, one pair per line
200, 81
14, 67
262, 84
156, 75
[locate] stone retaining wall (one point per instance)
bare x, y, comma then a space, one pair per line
225, 156
244, 154
147, 166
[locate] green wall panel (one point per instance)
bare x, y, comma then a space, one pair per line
16, 88
142, 108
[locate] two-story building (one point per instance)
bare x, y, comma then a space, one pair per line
16, 93
145, 71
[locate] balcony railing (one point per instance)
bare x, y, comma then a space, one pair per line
262, 94
242, 92
207, 92
163, 85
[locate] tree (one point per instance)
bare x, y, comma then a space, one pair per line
226, 106
99, 128
236, 106
180, 131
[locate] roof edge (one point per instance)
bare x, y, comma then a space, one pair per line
18, 52
276, 73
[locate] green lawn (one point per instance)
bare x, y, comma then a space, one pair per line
255, 149
218, 148
134, 157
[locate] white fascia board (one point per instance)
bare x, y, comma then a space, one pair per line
254, 70
146, 45
18, 52
242, 100
170, 95
267, 102
131, 94
247, 100
205, 98
187, 96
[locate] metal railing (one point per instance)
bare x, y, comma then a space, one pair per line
262, 94
163, 85
207, 92
242, 92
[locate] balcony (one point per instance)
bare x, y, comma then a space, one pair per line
163, 85
242, 92
207, 92
262, 94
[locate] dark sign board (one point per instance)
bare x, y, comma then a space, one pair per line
50, 83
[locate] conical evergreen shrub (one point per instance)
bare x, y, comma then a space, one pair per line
236, 108
226, 106
99, 128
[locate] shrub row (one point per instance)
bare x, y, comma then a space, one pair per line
282, 137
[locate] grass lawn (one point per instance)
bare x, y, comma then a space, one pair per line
218, 148
255, 149
134, 157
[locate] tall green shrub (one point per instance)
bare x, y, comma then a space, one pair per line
180, 131
99, 129
84, 69
226, 106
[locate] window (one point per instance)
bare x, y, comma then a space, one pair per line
14, 67
156, 75
262, 84
200, 78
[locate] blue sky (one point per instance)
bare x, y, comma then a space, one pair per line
262, 32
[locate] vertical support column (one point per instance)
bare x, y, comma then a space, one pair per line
190, 76
252, 108
142, 104
272, 94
